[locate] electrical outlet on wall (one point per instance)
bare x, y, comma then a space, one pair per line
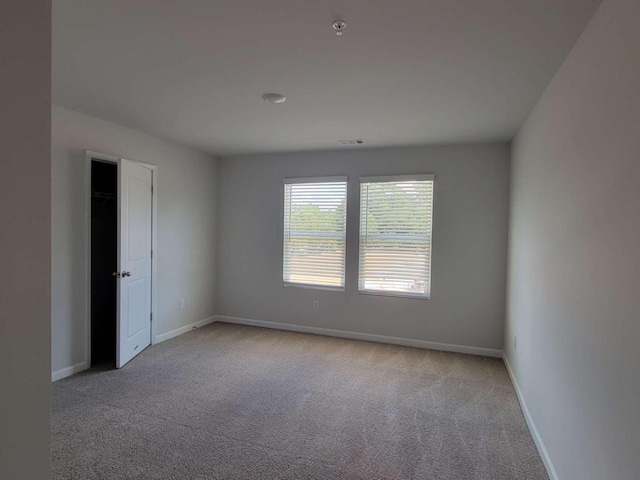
182, 303
316, 304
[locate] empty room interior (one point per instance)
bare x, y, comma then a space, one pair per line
343, 239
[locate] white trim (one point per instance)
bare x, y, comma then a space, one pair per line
369, 337
426, 177
391, 293
544, 454
187, 328
100, 156
314, 287
68, 371
82, 366
335, 179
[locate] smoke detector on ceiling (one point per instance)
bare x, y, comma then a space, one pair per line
358, 141
274, 98
339, 26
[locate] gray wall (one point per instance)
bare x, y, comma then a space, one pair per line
186, 228
574, 275
25, 234
469, 244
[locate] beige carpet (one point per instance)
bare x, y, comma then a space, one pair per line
237, 402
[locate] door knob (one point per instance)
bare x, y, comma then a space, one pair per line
123, 274
126, 274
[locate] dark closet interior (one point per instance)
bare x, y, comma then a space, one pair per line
104, 261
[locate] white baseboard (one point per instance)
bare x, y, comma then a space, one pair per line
370, 337
187, 328
546, 459
79, 367
68, 371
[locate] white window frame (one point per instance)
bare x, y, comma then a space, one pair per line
302, 180
391, 293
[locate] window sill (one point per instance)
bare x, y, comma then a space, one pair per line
314, 287
387, 293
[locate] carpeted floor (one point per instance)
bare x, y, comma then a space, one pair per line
235, 402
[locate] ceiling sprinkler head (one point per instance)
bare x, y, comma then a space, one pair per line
339, 26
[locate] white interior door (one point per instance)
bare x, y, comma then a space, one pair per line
134, 259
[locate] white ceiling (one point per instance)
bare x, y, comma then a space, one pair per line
405, 72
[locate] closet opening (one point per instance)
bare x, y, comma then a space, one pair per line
104, 262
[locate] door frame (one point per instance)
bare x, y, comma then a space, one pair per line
102, 157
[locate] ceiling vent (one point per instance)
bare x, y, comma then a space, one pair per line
358, 141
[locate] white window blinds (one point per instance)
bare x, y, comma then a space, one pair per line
395, 235
315, 231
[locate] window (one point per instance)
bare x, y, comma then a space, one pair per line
315, 218
395, 235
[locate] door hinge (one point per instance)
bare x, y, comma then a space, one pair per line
152, 317
152, 253
151, 189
